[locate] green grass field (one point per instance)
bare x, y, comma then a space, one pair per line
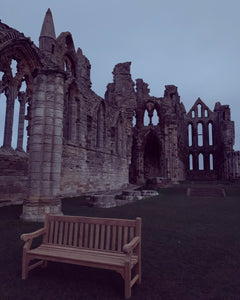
190, 250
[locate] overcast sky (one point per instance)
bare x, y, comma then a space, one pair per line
192, 44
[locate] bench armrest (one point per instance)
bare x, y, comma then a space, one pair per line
127, 248
29, 236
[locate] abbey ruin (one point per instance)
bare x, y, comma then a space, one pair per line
78, 142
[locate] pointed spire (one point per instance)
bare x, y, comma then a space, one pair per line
48, 26
47, 37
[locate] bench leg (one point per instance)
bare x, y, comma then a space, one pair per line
127, 280
138, 271
25, 269
44, 264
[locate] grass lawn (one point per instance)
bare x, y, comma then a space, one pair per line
190, 250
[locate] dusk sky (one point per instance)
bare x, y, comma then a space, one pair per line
192, 44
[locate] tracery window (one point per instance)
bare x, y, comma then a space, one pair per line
155, 119
190, 162
134, 120
210, 134
13, 106
199, 110
200, 162
200, 134
189, 135
146, 119
211, 162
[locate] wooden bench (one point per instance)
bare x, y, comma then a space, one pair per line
113, 244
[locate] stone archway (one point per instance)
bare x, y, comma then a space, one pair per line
152, 152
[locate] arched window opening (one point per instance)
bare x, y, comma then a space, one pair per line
65, 66
134, 120
200, 162
189, 135
211, 162
23, 86
146, 119
68, 66
155, 119
14, 67
69, 42
3, 102
199, 109
205, 113
200, 134
190, 162
152, 157
210, 134
193, 114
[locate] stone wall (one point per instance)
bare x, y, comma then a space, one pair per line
233, 166
13, 178
85, 171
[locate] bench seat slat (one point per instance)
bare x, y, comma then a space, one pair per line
51, 231
81, 235
61, 233
96, 243
70, 236
85, 244
75, 234
56, 232
113, 238
119, 238
102, 236
72, 255
91, 236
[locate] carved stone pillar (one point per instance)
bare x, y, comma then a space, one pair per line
22, 100
11, 96
45, 147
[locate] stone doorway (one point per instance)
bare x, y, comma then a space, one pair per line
152, 154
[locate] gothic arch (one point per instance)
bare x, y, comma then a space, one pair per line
68, 54
152, 155
150, 113
18, 61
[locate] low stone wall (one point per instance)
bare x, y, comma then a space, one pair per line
13, 178
127, 196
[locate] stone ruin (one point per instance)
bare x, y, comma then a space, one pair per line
80, 143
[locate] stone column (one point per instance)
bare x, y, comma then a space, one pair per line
11, 96
45, 147
22, 101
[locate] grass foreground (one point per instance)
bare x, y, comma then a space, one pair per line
190, 250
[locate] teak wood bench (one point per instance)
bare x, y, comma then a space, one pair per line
113, 244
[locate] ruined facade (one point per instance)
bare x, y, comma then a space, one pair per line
78, 142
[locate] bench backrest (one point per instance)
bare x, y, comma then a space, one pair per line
91, 232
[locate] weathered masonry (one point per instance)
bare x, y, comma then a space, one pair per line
59, 138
